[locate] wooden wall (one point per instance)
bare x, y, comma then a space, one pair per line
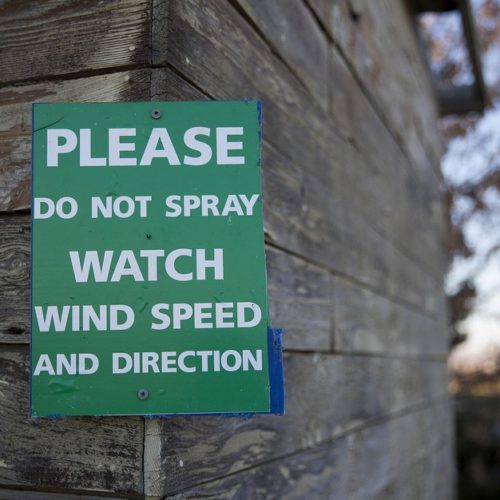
353, 221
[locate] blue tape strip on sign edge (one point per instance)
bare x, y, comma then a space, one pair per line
276, 377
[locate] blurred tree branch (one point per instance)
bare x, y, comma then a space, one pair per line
469, 201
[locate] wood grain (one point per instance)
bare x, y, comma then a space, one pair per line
432, 476
299, 301
304, 215
377, 462
9, 494
14, 278
382, 157
334, 172
80, 453
391, 181
395, 75
326, 396
169, 86
15, 122
290, 29
369, 323
60, 37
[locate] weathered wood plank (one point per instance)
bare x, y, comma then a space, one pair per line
204, 56
420, 217
396, 81
320, 219
375, 261
59, 37
323, 10
14, 278
293, 33
377, 462
300, 301
432, 477
369, 323
9, 494
15, 122
326, 396
215, 44
168, 86
393, 73
281, 24
80, 453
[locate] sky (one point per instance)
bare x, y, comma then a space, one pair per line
468, 159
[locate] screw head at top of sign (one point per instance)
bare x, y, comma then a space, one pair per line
156, 113
143, 394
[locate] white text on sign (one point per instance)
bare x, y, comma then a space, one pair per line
62, 141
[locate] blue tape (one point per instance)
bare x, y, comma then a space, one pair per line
276, 377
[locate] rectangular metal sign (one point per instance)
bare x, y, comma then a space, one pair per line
149, 291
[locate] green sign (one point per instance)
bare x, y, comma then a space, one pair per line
148, 270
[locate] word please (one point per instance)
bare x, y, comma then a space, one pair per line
62, 141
